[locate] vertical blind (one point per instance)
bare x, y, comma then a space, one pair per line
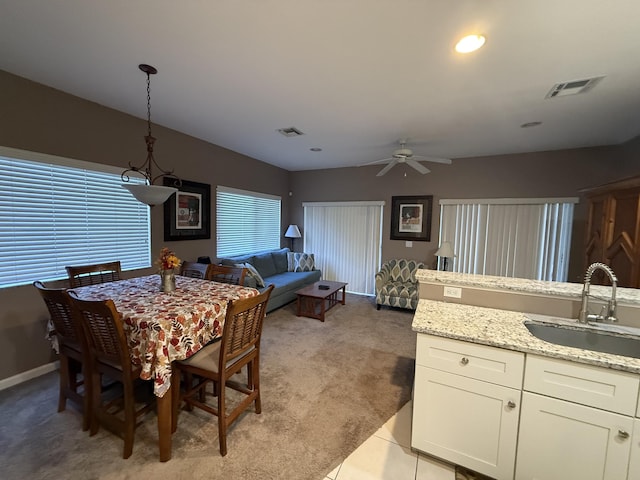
56, 212
246, 221
523, 238
346, 240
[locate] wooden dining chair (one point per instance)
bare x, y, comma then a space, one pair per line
219, 361
108, 354
194, 270
72, 350
83, 275
226, 274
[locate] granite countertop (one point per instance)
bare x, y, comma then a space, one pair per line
503, 329
626, 296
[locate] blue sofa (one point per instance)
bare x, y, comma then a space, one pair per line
273, 267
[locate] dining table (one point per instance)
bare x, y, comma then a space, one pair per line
163, 327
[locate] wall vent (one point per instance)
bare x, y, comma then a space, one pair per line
290, 132
573, 87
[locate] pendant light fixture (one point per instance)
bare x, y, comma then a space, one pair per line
149, 193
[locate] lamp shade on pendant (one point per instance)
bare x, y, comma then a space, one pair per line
150, 194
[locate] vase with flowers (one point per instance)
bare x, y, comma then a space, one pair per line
167, 262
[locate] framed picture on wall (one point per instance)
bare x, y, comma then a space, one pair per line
411, 218
187, 213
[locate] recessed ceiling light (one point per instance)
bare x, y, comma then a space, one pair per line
530, 124
470, 43
315, 149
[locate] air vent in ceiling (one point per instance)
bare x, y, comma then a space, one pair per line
573, 87
290, 132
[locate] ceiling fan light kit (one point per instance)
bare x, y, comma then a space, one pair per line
405, 155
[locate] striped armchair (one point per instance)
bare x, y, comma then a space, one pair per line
396, 284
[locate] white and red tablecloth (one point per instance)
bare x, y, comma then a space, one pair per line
163, 327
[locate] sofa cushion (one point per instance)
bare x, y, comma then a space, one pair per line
300, 262
231, 261
253, 273
280, 259
264, 264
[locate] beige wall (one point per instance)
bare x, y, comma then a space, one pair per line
41, 119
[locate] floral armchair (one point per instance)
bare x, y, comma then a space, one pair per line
396, 284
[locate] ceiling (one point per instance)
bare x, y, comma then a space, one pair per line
353, 75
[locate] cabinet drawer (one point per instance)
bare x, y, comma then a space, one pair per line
489, 364
598, 387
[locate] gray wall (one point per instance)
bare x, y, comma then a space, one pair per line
41, 119
542, 174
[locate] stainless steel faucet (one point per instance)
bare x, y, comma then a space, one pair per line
608, 313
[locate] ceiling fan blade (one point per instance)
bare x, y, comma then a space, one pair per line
387, 168
446, 161
422, 169
375, 162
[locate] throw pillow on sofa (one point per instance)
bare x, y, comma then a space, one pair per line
252, 272
300, 262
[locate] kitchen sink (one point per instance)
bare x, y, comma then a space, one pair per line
604, 338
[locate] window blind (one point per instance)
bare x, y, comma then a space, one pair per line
246, 221
523, 238
56, 212
346, 240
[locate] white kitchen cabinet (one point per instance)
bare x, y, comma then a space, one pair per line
560, 440
466, 404
576, 421
634, 462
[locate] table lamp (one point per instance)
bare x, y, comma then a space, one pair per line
292, 232
445, 251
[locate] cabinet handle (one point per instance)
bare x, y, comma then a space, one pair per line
623, 434
511, 404
464, 361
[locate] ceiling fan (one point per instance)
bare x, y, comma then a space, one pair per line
405, 155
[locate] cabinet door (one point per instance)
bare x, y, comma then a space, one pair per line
560, 440
634, 461
466, 421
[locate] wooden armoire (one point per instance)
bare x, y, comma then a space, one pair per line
613, 230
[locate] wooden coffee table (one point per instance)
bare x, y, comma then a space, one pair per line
314, 301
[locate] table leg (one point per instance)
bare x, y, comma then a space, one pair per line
164, 425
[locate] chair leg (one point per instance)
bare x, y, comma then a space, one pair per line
96, 402
129, 420
64, 382
87, 398
222, 415
255, 367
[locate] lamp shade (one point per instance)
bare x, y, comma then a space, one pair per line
150, 194
445, 250
292, 232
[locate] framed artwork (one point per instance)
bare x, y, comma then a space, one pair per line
187, 213
411, 218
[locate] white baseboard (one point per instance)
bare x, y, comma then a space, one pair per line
28, 375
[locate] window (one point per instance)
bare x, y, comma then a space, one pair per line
523, 238
346, 240
56, 212
246, 221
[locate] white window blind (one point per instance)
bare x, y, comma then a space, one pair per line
523, 238
246, 221
56, 212
346, 240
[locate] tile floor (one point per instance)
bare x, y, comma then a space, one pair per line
387, 455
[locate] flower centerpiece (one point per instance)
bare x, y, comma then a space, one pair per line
167, 262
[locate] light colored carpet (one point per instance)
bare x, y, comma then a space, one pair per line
326, 387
